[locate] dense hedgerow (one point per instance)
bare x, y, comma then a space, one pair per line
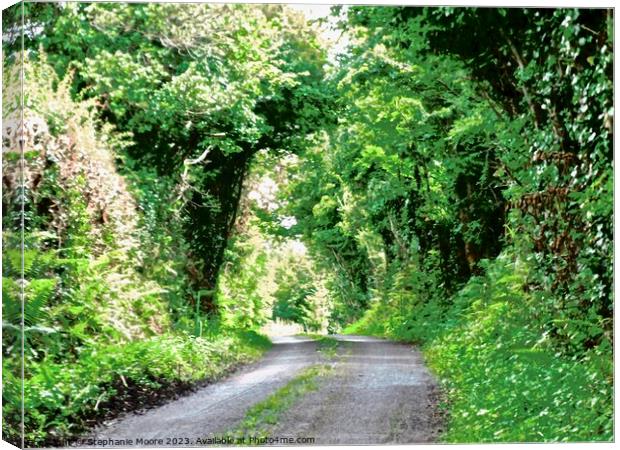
106, 315
504, 381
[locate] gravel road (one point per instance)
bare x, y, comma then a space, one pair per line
378, 392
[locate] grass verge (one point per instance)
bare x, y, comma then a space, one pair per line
65, 400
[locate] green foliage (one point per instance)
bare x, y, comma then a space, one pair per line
410, 165
503, 377
228, 80
163, 247
267, 274
241, 296
105, 276
60, 398
506, 381
540, 69
295, 286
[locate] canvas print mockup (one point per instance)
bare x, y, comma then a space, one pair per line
299, 225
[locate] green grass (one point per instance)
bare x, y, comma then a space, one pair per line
60, 397
263, 416
325, 344
502, 376
372, 322
328, 346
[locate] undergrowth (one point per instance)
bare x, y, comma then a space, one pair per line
63, 401
504, 379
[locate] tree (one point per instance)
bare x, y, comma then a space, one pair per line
187, 79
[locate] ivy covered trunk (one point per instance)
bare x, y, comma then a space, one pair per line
212, 211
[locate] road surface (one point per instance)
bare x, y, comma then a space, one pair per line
378, 392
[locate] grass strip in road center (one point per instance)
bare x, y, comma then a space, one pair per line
327, 345
261, 418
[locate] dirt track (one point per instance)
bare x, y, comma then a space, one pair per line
378, 392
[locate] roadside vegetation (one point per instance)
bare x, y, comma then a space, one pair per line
191, 172
503, 380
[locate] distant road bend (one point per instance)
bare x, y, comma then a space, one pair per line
378, 392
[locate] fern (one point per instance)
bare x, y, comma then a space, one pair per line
38, 294
36, 262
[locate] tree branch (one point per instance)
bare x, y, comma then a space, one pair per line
521, 64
